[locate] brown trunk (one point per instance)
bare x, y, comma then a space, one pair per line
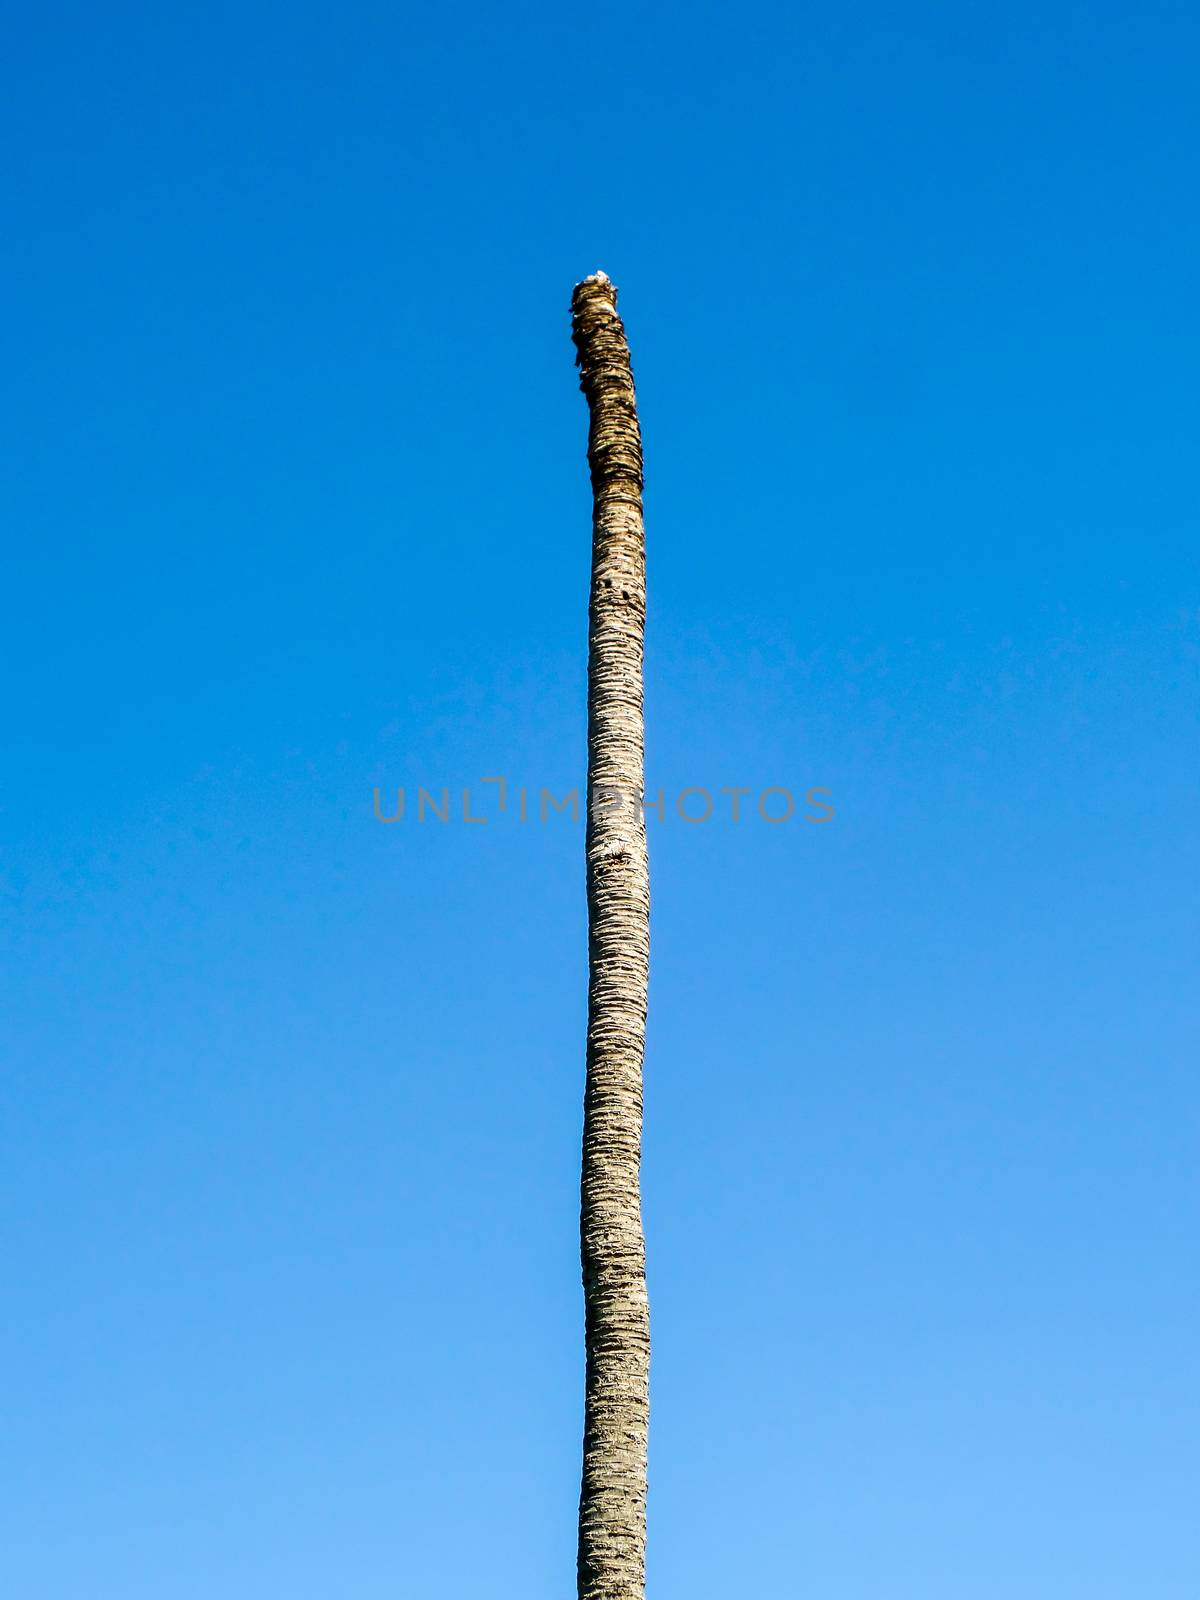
612, 1502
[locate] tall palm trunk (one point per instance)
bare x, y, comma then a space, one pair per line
612, 1502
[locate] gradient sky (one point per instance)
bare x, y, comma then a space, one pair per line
296, 504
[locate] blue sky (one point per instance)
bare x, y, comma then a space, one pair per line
296, 505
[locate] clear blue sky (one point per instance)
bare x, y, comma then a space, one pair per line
296, 504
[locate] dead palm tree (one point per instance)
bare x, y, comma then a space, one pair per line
612, 1501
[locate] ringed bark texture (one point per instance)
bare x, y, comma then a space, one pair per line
612, 1504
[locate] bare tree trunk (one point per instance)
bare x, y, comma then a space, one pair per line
612, 1502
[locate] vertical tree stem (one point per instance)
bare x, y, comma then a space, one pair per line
612, 1503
